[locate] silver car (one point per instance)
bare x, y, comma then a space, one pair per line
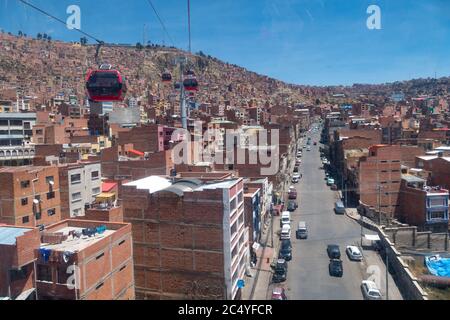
354, 253
370, 290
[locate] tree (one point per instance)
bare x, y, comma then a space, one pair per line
83, 41
49, 38
139, 46
20, 33
44, 36
39, 36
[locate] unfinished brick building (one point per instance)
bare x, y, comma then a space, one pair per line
190, 240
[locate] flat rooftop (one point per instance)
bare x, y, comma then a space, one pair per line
75, 244
8, 235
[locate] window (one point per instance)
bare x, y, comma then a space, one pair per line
25, 219
25, 184
38, 216
76, 197
437, 202
94, 175
3, 122
96, 191
75, 178
50, 195
63, 276
16, 275
15, 122
49, 179
26, 125
24, 201
233, 204
233, 229
437, 215
16, 132
240, 196
39, 132
44, 273
76, 212
4, 132
51, 212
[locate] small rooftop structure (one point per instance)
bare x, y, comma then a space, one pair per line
8, 235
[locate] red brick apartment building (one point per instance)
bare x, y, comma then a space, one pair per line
17, 262
380, 177
439, 166
190, 240
101, 251
29, 196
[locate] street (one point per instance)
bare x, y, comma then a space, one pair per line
308, 277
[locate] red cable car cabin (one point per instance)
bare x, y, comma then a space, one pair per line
190, 84
105, 85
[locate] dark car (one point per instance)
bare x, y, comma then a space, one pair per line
335, 268
292, 205
333, 251
285, 251
292, 195
280, 271
286, 242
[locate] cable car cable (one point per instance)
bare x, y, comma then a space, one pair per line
160, 21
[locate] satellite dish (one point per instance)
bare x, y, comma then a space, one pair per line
35, 201
51, 183
66, 256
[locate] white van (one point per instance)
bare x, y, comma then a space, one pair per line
285, 218
285, 232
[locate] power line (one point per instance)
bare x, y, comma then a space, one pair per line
59, 20
160, 21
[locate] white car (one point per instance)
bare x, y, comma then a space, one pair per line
296, 175
299, 154
370, 290
354, 253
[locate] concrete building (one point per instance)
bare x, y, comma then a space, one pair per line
85, 260
80, 183
17, 263
189, 237
30, 196
423, 206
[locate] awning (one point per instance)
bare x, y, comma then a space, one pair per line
105, 196
108, 186
372, 237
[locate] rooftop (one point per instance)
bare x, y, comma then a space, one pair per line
8, 235
74, 244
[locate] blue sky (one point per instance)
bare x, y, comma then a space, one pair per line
314, 42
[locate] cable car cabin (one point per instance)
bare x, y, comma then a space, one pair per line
105, 85
166, 77
190, 84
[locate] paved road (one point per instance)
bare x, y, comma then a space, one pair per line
308, 277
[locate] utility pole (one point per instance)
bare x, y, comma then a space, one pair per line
379, 204
387, 275
182, 61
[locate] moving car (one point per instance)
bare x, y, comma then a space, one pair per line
302, 231
308, 148
280, 271
335, 268
353, 253
285, 251
339, 207
279, 294
333, 251
370, 290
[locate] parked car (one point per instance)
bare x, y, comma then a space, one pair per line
285, 232
330, 181
279, 294
280, 271
295, 180
285, 218
285, 251
339, 207
292, 194
370, 290
286, 242
354, 253
333, 251
292, 205
299, 154
315, 143
308, 148
335, 268
334, 187
298, 162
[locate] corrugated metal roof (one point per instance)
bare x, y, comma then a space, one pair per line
8, 235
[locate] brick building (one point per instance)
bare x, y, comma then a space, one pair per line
439, 166
30, 196
380, 177
102, 252
190, 239
17, 263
